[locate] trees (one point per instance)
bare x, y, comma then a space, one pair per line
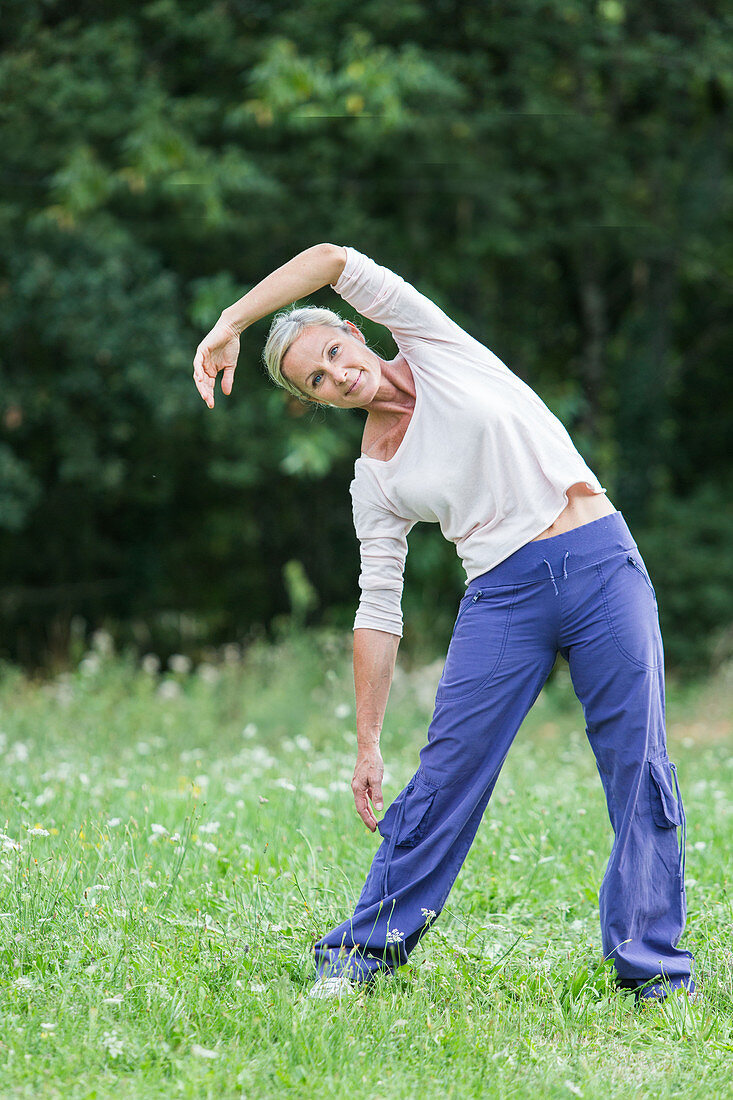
554, 174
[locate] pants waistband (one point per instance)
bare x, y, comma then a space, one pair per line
576, 549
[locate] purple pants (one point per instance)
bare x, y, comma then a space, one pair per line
587, 595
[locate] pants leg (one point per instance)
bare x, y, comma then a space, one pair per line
614, 647
588, 594
502, 650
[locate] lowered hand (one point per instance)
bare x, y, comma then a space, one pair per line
367, 786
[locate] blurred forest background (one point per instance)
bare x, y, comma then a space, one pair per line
554, 173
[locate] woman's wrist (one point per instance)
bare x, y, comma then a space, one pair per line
236, 322
367, 742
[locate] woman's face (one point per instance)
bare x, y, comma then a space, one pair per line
334, 367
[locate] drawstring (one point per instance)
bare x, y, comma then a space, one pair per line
396, 826
564, 571
684, 825
549, 568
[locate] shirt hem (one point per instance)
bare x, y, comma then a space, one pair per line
480, 570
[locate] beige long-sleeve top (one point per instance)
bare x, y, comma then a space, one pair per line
482, 456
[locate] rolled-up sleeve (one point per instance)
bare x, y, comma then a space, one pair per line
383, 544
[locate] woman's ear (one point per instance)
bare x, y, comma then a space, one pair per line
356, 332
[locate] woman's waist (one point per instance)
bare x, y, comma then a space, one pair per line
584, 505
577, 548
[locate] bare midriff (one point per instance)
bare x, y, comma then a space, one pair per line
583, 507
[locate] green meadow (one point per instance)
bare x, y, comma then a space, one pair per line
174, 841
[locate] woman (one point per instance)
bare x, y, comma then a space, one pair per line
453, 436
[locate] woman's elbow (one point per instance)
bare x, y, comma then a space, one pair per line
335, 255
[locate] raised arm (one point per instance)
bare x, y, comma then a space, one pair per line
304, 274
375, 653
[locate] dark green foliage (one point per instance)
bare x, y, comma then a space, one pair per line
553, 173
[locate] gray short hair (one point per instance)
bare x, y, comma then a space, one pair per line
285, 328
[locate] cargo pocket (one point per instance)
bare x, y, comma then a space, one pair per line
666, 803
406, 818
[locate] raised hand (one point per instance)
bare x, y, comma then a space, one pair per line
218, 351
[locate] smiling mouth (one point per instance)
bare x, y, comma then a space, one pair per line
354, 384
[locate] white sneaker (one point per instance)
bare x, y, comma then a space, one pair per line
338, 985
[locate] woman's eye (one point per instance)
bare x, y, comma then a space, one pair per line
317, 380
332, 349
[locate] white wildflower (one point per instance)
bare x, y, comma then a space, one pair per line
20, 752
303, 743
24, 982
208, 673
203, 1052
209, 827
63, 694
90, 665
103, 643
249, 731
429, 914
113, 1044
143, 748
47, 1026
318, 793
168, 690
285, 784
150, 664
115, 1000
158, 830
114, 822
209, 847
38, 831
179, 663
45, 796
393, 936
343, 710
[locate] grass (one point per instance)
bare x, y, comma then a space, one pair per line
173, 844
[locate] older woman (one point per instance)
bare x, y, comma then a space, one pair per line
453, 437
